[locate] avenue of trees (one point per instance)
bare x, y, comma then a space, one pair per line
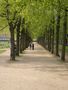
56, 31
45, 20
11, 10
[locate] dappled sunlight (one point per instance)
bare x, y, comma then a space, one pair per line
38, 63
37, 59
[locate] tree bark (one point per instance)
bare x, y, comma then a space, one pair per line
49, 39
52, 51
57, 34
64, 36
21, 41
12, 55
52, 41
18, 35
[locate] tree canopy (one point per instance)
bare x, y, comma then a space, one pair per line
38, 17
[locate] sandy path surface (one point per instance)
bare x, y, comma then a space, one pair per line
33, 70
6, 53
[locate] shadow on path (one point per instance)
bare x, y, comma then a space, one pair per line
38, 59
33, 70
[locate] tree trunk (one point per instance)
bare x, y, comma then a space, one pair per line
12, 55
21, 42
52, 41
46, 34
57, 34
18, 34
17, 45
24, 41
48, 40
64, 36
52, 51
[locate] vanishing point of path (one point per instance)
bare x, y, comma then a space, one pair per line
33, 70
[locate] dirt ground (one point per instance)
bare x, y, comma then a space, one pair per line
33, 70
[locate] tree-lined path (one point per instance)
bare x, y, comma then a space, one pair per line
21, 21
25, 21
33, 70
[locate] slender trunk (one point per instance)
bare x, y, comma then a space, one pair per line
12, 55
21, 42
17, 45
64, 36
52, 51
48, 40
24, 40
18, 34
52, 41
57, 34
22, 36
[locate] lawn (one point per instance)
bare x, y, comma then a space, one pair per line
4, 45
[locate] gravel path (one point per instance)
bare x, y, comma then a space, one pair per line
33, 70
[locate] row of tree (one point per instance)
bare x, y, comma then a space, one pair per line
53, 37
43, 18
12, 11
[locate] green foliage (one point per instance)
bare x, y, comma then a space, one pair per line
37, 13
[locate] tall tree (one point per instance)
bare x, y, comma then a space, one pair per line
57, 28
64, 35
18, 36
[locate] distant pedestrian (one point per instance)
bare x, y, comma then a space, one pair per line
32, 46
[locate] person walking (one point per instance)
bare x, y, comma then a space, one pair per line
32, 46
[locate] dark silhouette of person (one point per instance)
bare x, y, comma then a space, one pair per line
32, 46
